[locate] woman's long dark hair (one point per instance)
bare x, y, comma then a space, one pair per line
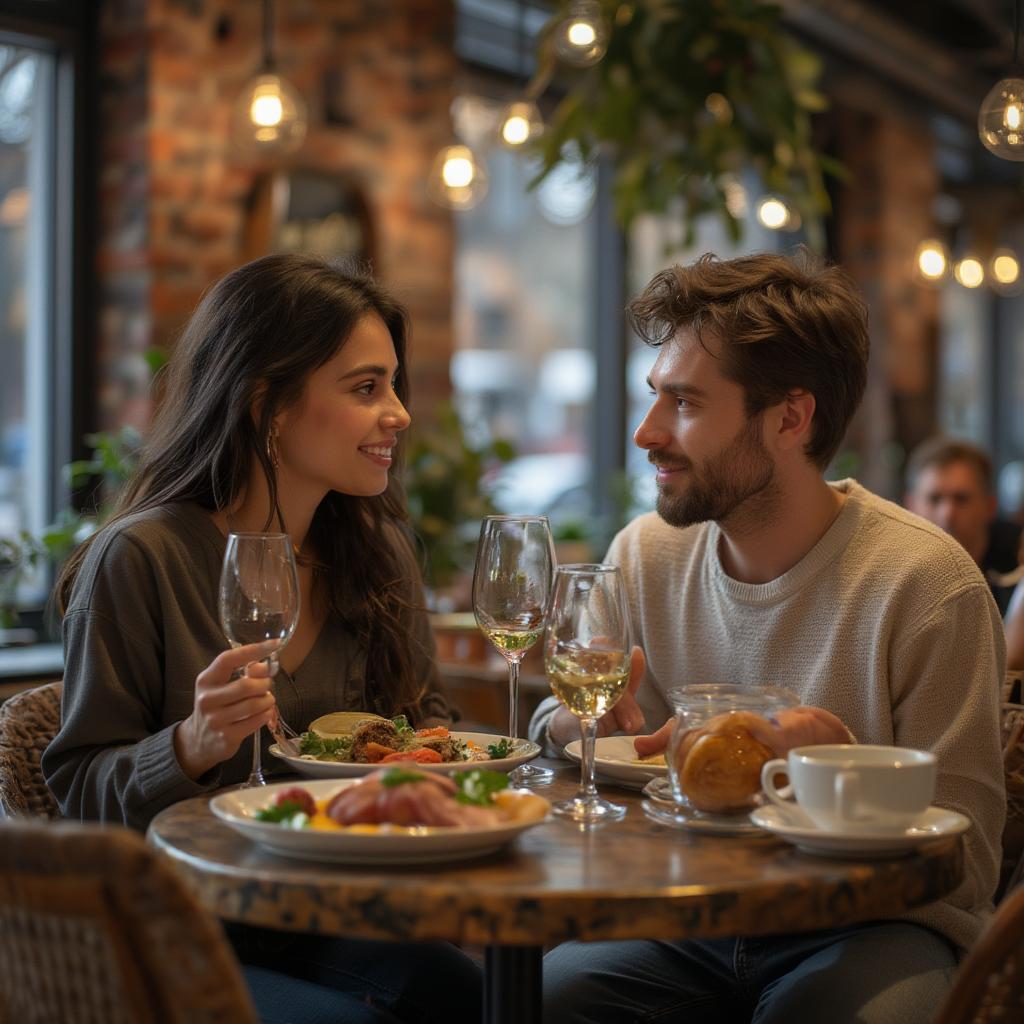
258, 334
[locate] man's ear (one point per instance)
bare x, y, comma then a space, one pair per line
794, 417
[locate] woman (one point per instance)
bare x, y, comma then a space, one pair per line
283, 409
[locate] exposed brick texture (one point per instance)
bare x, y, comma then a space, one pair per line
378, 78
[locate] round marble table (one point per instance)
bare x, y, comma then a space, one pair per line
631, 879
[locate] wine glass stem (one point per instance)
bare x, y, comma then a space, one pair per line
588, 737
513, 698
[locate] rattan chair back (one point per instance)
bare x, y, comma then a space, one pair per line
989, 986
96, 927
28, 721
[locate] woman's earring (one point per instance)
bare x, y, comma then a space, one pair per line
273, 450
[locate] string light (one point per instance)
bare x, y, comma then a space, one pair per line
1005, 270
581, 37
773, 213
458, 179
521, 123
931, 260
969, 272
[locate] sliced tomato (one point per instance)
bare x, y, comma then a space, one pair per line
377, 752
438, 730
423, 755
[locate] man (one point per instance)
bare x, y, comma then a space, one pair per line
754, 570
950, 483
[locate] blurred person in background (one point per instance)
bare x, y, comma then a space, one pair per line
950, 483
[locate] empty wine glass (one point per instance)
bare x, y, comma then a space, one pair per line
511, 591
586, 657
259, 600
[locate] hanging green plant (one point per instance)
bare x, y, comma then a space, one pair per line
691, 94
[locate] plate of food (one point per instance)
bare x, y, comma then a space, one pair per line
397, 815
348, 744
616, 759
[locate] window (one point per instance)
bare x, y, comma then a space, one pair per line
45, 180
27, 160
524, 368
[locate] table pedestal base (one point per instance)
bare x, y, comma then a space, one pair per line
512, 984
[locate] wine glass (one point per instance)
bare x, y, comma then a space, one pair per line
586, 657
259, 600
511, 591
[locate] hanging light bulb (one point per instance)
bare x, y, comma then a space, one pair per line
969, 272
581, 37
931, 260
458, 179
773, 213
1005, 270
521, 123
1001, 117
270, 115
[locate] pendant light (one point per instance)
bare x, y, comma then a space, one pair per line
581, 37
521, 122
458, 180
1001, 117
270, 116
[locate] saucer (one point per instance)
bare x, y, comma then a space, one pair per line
660, 807
793, 825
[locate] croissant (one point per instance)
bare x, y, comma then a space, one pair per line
719, 765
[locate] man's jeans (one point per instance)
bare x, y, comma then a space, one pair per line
310, 979
890, 972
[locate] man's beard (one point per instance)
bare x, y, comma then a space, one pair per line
740, 472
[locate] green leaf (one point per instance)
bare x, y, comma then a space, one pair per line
499, 750
479, 785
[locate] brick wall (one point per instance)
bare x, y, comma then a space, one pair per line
378, 78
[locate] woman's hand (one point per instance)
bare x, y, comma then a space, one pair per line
226, 710
626, 716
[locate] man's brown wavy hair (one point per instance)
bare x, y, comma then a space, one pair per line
261, 331
782, 324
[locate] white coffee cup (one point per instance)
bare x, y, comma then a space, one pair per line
855, 787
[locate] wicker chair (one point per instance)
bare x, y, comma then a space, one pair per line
28, 721
989, 986
95, 927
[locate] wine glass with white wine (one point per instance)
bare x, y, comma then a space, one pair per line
511, 591
259, 601
586, 657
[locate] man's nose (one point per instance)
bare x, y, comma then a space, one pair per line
649, 434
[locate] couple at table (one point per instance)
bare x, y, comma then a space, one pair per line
285, 409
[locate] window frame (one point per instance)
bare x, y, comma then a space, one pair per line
68, 30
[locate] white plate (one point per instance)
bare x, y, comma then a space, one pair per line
615, 759
392, 845
523, 750
795, 827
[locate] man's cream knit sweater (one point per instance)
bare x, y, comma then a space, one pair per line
886, 622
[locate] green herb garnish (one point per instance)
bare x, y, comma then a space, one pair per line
499, 750
280, 812
401, 724
479, 785
397, 776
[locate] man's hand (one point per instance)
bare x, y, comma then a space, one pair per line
793, 727
626, 716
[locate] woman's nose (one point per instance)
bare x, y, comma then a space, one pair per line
396, 416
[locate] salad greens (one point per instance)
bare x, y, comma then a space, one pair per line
500, 750
310, 743
396, 776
